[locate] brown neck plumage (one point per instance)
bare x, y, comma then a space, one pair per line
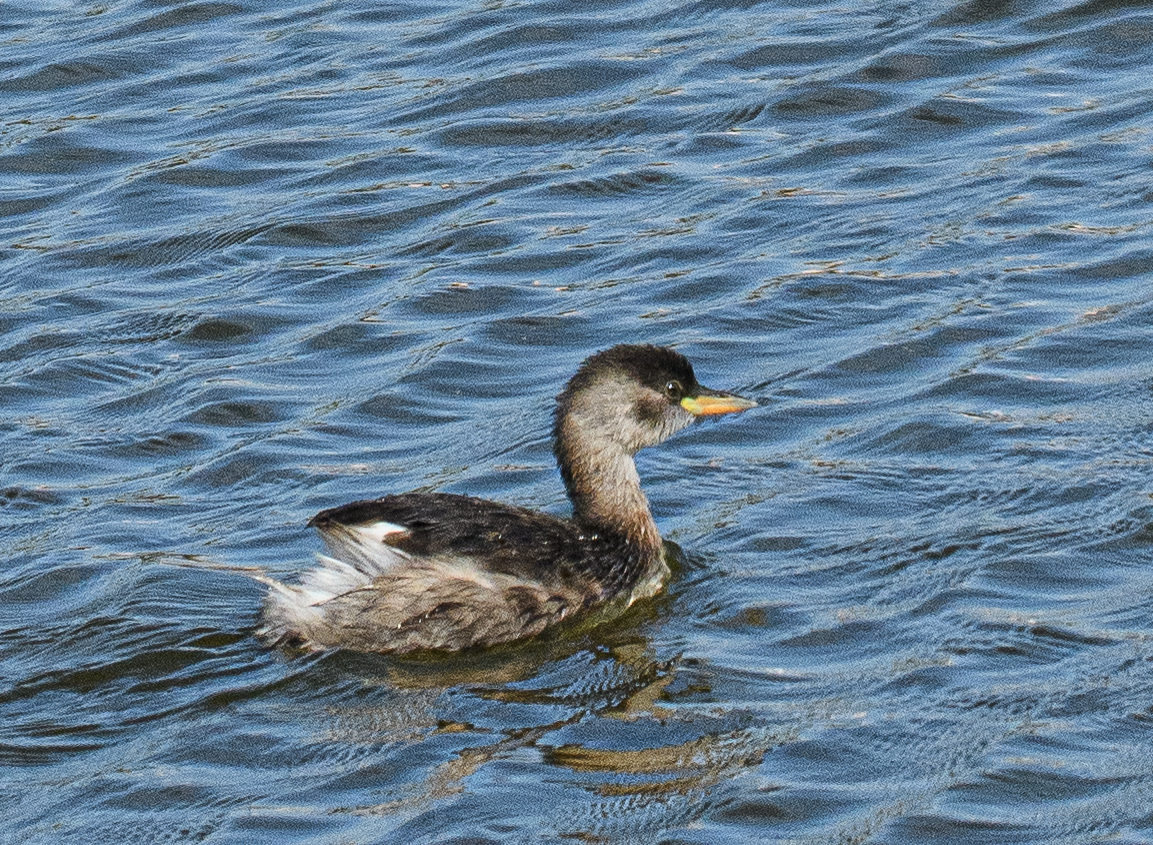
602, 482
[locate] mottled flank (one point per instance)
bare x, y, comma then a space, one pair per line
462, 572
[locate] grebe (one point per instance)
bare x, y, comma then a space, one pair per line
437, 571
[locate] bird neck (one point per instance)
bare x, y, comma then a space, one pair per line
602, 482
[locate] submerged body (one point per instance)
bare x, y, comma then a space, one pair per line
436, 571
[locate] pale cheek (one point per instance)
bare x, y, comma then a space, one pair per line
680, 420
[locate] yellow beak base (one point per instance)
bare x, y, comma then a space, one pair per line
720, 403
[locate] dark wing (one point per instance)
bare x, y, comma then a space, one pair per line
438, 571
493, 537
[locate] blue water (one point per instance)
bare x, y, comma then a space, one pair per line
262, 259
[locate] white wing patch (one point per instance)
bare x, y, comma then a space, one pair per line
331, 579
375, 532
359, 556
364, 547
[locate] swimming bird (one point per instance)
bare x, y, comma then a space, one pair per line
438, 571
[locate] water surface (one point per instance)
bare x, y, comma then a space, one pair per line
259, 260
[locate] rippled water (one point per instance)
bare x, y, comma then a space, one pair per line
262, 259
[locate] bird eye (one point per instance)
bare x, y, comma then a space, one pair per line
674, 390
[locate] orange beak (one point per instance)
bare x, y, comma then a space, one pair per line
708, 402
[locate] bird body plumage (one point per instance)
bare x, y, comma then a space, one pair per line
438, 571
